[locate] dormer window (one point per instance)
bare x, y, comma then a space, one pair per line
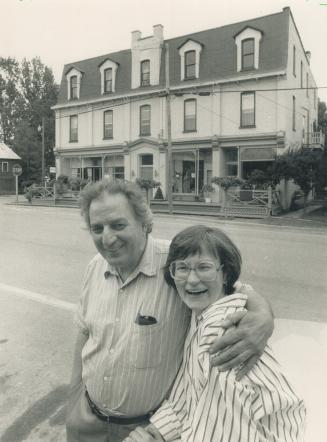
248, 45
190, 52
73, 87
107, 80
248, 53
189, 65
145, 73
74, 79
108, 72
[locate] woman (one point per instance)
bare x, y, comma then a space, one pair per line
207, 405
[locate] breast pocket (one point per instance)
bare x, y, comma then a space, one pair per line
147, 345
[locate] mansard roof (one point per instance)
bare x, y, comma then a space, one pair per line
218, 58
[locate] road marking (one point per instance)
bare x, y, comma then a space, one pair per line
43, 299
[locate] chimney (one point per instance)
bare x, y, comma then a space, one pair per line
136, 35
286, 9
308, 55
158, 32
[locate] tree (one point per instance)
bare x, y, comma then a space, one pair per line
27, 93
302, 166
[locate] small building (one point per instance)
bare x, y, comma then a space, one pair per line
239, 96
7, 160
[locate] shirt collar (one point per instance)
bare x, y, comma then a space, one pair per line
147, 265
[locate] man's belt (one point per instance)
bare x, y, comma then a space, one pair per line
114, 419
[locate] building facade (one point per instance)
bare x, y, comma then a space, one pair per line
7, 160
238, 96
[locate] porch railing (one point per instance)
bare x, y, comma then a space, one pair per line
314, 138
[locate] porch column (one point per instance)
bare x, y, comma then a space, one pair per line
217, 159
102, 165
127, 162
162, 168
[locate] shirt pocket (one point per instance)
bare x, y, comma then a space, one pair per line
147, 345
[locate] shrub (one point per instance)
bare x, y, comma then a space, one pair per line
227, 182
159, 195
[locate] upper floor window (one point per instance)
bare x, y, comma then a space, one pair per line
190, 115
5, 167
248, 53
307, 83
248, 48
294, 61
73, 128
301, 74
190, 52
74, 78
189, 66
108, 129
248, 109
107, 74
145, 120
293, 112
73, 87
145, 73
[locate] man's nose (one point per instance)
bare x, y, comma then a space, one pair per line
108, 236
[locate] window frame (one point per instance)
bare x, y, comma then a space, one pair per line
245, 40
73, 139
194, 127
242, 125
232, 162
145, 129
307, 84
187, 65
5, 163
145, 81
301, 75
107, 90
111, 130
73, 88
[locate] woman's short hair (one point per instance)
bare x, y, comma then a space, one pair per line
199, 239
131, 191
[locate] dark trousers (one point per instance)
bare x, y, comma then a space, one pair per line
83, 426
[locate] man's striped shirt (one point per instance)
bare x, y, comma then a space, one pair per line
206, 405
129, 368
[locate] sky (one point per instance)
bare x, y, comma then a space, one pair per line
64, 31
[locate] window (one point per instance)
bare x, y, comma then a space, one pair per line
5, 167
73, 128
145, 120
189, 65
307, 84
293, 113
315, 98
146, 167
294, 61
108, 131
248, 53
190, 115
301, 74
145, 73
73, 87
247, 109
231, 159
107, 78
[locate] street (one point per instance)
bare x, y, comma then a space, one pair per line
44, 251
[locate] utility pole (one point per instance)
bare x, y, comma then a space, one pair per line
168, 126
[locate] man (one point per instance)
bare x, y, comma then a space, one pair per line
132, 325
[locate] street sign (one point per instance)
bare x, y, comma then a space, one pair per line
17, 169
52, 169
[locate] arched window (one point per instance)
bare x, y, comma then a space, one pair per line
189, 65
190, 115
248, 53
145, 120
145, 73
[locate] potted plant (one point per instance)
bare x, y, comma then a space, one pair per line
207, 191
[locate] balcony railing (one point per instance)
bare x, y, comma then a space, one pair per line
314, 139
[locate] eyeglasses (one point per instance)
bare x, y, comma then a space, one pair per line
205, 270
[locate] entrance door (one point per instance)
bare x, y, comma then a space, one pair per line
188, 177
